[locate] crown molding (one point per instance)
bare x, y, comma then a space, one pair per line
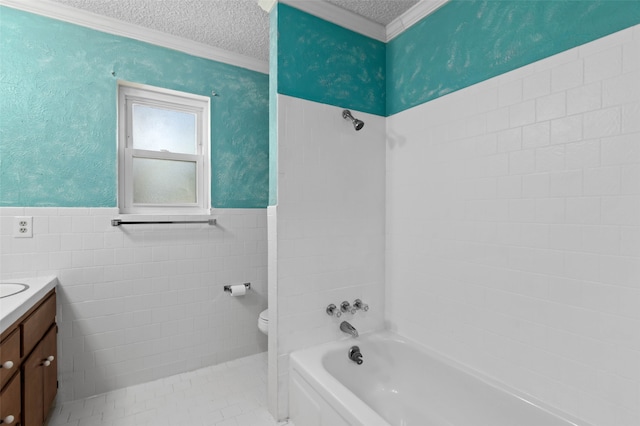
412, 16
339, 16
108, 25
267, 5
347, 19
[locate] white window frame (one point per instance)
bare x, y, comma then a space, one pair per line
130, 93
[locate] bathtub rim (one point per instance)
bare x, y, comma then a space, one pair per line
347, 401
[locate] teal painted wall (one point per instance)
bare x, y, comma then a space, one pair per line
273, 107
323, 62
58, 114
466, 42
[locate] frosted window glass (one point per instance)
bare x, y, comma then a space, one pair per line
163, 181
157, 129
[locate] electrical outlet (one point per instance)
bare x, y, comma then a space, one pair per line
23, 227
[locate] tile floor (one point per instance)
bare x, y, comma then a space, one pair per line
229, 394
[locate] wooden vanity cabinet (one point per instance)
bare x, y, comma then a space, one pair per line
39, 374
29, 387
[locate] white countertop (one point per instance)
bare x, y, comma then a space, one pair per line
13, 307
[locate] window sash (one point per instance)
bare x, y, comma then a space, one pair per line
131, 153
171, 106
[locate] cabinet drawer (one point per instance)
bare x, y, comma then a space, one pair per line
10, 398
9, 354
37, 324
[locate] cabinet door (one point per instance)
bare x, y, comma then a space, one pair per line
40, 373
10, 398
50, 371
32, 397
9, 357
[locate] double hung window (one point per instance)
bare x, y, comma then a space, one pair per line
163, 151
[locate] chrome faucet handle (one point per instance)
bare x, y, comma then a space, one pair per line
357, 304
355, 355
346, 307
332, 309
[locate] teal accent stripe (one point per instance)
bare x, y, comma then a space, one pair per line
273, 107
323, 62
58, 114
466, 42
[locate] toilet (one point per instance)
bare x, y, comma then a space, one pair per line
263, 321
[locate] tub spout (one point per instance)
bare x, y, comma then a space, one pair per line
348, 328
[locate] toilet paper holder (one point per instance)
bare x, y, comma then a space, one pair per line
227, 288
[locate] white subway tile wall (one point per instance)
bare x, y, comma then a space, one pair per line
513, 242
142, 302
330, 228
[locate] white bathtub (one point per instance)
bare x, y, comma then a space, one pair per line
399, 384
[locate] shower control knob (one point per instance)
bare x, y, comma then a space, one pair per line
346, 307
331, 309
359, 305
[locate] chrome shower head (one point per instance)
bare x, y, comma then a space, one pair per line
357, 124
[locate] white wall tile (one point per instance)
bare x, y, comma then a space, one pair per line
567, 129
510, 140
522, 162
623, 210
584, 98
550, 158
630, 179
111, 296
565, 184
535, 185
623, 149
621, 89
583, 210
522, 113
551, 106
631, 117
631, 56
330, 223
582, 154
604, 64
536, 85
510, 93
603, 122
602, 181
567, 76
536, 135
553, 244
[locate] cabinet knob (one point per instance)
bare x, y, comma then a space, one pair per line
8, 420
48, 360
8, 365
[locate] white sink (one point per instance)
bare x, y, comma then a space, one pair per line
18, 295
9, 289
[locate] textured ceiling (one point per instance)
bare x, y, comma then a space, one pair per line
379, 11
239, 26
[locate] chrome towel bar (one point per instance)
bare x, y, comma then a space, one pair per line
118, 222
